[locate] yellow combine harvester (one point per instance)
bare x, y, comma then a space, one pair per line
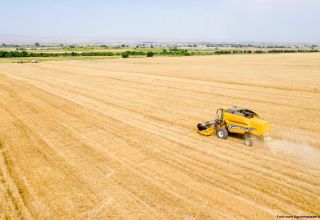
237, 120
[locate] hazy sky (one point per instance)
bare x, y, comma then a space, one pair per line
221, 20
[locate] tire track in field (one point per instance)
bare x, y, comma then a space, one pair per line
12, 204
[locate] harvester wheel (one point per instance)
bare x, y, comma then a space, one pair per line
222, 133
248, 141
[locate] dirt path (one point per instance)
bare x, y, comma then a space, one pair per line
116, 139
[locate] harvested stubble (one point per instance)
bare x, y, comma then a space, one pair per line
115, 138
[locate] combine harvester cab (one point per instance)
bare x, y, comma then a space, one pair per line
238, 121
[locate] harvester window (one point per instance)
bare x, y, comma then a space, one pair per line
247, 113
242, 112
235, 112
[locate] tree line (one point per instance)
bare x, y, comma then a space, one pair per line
167, 52
8, 54
126, 54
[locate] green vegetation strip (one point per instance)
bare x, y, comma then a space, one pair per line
164, 52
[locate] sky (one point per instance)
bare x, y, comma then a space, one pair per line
287, 21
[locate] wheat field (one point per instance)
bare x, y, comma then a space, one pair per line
116, 139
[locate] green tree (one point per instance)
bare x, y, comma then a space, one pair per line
36, 44
24, 53
150, 54
125, 55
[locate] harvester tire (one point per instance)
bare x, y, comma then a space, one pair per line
248, 141
222, 133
